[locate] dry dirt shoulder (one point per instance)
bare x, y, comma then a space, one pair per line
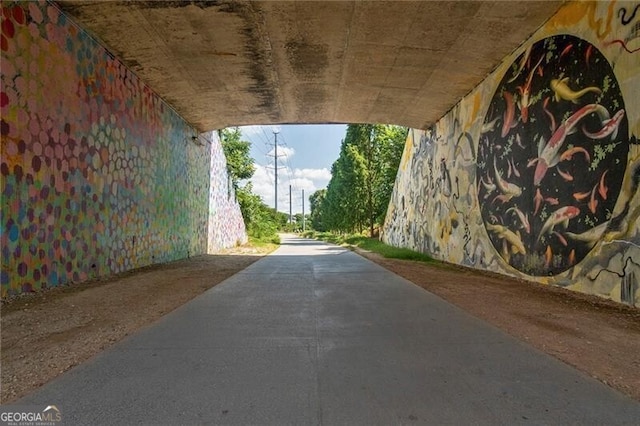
596, 336
47, 333
50, 332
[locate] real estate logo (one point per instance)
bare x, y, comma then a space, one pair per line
30, 415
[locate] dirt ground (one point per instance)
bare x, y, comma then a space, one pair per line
45, 334
597, 336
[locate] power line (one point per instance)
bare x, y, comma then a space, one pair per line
275, 169
282, 164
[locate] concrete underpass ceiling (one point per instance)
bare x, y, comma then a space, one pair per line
223, 63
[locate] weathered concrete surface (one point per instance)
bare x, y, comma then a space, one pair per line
221, 63
315, 334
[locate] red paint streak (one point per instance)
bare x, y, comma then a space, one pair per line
561, 238
509, 113
546, 111
565, 51
593, 202
624, 45
602, 188
565, 175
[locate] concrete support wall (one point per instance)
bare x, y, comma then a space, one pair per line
535, 173
99, 175
226, 226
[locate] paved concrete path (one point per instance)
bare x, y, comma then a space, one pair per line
314, 334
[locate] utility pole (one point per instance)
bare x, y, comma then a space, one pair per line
275, 158
303, 227
275, 170
290, 206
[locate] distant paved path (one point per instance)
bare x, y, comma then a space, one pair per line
314, 334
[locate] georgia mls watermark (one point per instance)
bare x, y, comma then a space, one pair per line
30, 415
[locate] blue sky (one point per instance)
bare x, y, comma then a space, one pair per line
305, 155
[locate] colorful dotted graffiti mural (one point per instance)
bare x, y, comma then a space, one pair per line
226, 227
99, 176
536, 173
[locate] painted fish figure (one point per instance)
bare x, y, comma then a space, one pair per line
516, 172
590, 237
563, 91
548, 153
509, 114
562, 239
561, 216
587, 55
508, 189
548, 257
525, 93
593, 201
509, 236
488, 127
537, 199
565, 175
552, 125
489, 185
602, 187
568, 154
552, 201
609, 127
523, 62
566, 50
524, 218
579, 196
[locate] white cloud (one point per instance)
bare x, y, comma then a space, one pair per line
251, 131
284, 152
309, 180
314, 174
262, 182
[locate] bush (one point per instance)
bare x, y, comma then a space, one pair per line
374, 245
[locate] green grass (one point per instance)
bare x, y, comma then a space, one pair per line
265, 240
263, 245
370, 244
329, 237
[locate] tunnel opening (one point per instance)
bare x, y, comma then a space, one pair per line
100, 165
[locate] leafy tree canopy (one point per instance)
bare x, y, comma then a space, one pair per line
362, 179
240, 165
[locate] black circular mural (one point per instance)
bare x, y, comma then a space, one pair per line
552, 155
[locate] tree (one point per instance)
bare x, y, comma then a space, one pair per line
392, 142
299, 221
344, 207
260, 220
316, 201
362, 177
239, 163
